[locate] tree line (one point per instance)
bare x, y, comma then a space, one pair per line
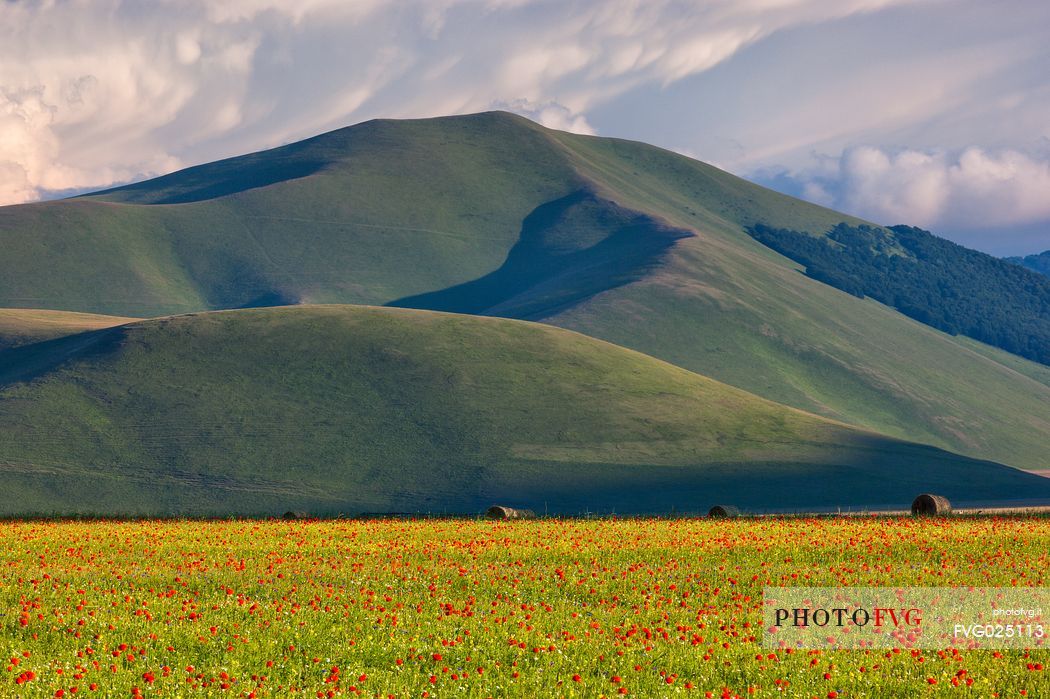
933, 280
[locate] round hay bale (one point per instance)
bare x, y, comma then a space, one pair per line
724, 511
295, 515
930, 505
503, 512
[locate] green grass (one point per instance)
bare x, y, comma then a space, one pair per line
356, 409
493, 214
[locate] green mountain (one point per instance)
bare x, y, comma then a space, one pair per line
1037, 263
495, 215
356, 409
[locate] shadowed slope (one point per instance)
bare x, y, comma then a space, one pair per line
349, 409
570, 249
223, 178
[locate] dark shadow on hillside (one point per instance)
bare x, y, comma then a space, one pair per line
219, 179
271, 299
569, 249
27, 362
875, 473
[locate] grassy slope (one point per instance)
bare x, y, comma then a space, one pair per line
619, 240
342, 408
23, 326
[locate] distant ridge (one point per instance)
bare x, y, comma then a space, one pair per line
1037, 263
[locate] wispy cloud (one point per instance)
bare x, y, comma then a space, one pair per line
97, 92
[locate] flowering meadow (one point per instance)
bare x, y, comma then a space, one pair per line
476, 608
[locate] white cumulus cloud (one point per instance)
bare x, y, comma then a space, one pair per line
972, 189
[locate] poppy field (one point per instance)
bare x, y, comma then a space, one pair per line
476, 608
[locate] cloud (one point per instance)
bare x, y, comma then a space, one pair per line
93, 93
907, 186
1005, 188
966, 190
550, 114
26, 143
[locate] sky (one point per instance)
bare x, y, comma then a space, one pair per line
933, 113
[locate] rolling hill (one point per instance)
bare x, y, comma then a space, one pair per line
491, 214
355, 409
